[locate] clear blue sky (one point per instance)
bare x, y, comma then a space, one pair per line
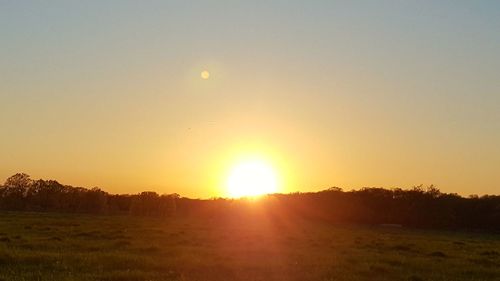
346, 93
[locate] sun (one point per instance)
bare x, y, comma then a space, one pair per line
252, 178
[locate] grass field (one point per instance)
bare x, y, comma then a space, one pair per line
81, 247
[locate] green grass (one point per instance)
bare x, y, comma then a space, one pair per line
80, 247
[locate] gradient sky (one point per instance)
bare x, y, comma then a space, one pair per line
332, 93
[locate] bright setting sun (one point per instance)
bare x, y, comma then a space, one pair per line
252, 178
249, 140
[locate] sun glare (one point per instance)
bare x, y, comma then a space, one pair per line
252, 178
205, 74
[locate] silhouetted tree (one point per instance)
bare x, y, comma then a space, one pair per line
15, 190
416, 207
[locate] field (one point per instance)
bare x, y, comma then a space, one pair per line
37, 246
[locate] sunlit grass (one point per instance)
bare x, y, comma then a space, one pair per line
81, 247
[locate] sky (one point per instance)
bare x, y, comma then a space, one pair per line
330, 93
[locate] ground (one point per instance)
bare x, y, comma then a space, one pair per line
35, 246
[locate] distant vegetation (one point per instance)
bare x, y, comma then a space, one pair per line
416, 207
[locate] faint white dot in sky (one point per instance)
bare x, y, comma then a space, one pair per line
205, 74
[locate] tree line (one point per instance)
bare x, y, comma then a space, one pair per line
415, 207
21, 193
